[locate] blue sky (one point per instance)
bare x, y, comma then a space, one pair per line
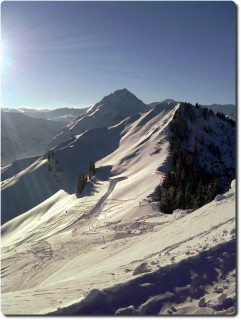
71, 54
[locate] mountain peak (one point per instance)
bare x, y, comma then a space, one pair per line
122, 91
121, 97
168, 101
112, 109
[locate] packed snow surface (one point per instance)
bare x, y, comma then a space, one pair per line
56, 254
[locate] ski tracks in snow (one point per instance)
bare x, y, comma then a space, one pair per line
99, 205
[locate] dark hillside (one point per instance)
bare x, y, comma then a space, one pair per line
201, 159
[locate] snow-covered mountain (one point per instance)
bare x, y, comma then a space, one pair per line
16, 166
166, 101
227, 109
108, 112
130, 145
110, 250
64, 115
201, 161
71, 158
23, 136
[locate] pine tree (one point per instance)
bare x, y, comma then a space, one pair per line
91, 169
178, 199
81, 181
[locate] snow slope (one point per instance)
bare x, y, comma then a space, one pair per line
25, 187
108, 112
16, 167
23, 136
102, 267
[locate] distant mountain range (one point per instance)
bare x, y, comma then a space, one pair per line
64, 115
24, 136
228, 109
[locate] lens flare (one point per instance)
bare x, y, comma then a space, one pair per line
6, 61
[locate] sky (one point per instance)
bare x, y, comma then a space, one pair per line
72, 54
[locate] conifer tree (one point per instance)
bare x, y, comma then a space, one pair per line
91, 169
81, 181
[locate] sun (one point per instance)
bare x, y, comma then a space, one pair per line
5, 59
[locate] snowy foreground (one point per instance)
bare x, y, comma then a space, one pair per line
151, 264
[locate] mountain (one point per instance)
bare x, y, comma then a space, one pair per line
201, 158
166, 101
108, 112
23, 136
69, 159
126, 147
16, 166
64, 115
111, 250
227, 109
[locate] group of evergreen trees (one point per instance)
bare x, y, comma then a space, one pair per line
83, 178
186, 185
224, 117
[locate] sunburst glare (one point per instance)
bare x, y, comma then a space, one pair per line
6, 61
